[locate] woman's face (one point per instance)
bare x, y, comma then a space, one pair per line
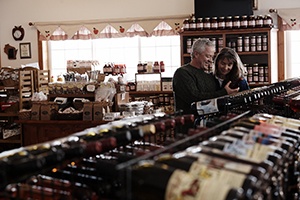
224, 66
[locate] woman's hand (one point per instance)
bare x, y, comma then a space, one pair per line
230, 90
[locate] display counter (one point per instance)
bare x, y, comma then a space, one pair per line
38, 131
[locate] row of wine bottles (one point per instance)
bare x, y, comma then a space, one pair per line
158, 128
253, 158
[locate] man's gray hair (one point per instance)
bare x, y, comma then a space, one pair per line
200, 44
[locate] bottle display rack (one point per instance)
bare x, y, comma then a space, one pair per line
163, 156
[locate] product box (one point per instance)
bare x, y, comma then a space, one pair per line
166, 84
35, 111
45, 112
97, 111
122, 98
87, 111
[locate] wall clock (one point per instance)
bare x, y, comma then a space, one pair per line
18, 33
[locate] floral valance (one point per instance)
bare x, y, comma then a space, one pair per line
290, 18
93, 29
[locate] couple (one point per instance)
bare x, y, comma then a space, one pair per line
191, 82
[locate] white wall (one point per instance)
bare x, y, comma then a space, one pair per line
21, 12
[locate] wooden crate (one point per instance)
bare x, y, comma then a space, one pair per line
42, 80
26, 86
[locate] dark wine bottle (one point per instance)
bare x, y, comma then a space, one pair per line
175, 184
233, 177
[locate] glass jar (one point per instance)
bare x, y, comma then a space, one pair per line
268, 21
259, 21
186, 25
236, 22
244, 21
221, 23
264, 43
228, 22
253, 43
214, 23
199, 24
156, 67
239, 44
192, 23
206, 23
220, 44
246, 43
251, 21
258, 43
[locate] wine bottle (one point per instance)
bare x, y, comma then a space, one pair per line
231, 177
175, 184
25, 191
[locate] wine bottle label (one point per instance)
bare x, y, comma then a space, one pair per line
182, 185
238, 148
209, 176
207, 106
223, 163
260, 152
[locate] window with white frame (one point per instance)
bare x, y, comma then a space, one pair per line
125, 50
292, 48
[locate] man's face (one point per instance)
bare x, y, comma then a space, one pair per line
205, 59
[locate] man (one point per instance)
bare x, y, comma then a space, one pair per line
192, 83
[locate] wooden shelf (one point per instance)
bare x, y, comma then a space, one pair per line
149, 92
9, 88
12, 140
87, 95
266, 59
229, 31
9, 114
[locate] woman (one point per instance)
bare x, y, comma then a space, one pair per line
229, 67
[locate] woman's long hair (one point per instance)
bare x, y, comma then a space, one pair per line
238, 70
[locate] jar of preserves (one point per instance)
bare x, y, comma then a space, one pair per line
214, 23
162, 66
206, 23
186, 25
268, 21
251, 21
244, 21
221, 23
192, 23
156, 67
199, 24
246, 43
240, 44
259, 21
236, 22
255, 68
228, 22
249, 69
220, 44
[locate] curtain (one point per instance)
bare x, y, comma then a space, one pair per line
93, 29
290, 18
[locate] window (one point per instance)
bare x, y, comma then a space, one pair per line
127, 51
292, 53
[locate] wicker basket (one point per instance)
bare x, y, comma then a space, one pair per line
9, 82
10, 107
24, 115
